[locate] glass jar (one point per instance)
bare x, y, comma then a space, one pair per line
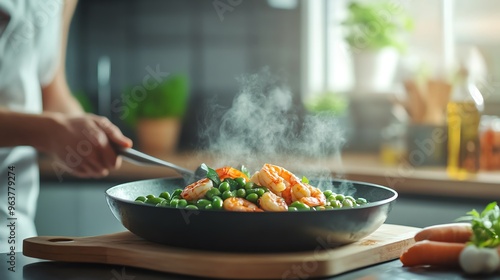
490, 143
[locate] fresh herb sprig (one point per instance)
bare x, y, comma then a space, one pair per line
485, 226
211, 174
245, 171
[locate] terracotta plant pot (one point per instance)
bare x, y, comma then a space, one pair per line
158, 136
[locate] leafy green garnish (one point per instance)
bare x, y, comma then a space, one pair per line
305, 180
485, 226
211, 174
245, 171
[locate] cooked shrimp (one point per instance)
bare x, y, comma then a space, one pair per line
275, 178
271, 202
240, 204
287, 195
316, 197
299, 191
197, 189
230, 172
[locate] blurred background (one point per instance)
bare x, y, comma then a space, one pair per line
211, 43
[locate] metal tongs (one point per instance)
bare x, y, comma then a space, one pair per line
140, 158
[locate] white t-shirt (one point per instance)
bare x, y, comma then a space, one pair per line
30, 35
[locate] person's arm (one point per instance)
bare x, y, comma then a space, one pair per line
91, 137
70, 129
63, 129
22, 129
57, 95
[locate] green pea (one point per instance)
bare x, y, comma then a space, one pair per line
350, 198
300, 206
253, 197
217, 203
336, 204
260, 191
202, 203
209, 207
249, 185
227, 194
347, 203
154, 200
212, 192
164, 203
332, 198
177, 192
340, 197
249, 191
241, 182
182, 203
150, 196
328, 193
265, 189
192, 207
232, 183
319, 208
241, 193
292, 209
329, 207
361, 201
224, 186
140, 198
165, 195
176, 197
174, 202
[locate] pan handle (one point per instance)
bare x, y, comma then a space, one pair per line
140, 158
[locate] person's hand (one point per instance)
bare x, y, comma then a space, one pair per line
84, 144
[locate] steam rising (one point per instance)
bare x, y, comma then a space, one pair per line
265, 124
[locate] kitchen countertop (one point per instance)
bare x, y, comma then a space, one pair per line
35, 269
404, 178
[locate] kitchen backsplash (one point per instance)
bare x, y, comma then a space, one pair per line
211, 44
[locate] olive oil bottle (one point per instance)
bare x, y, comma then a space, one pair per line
463, 118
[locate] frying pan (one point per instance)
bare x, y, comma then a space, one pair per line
249, 231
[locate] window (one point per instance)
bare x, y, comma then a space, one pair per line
444, 32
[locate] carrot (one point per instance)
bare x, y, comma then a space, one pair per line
456, 233
432, 253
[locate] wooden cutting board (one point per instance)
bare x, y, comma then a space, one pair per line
125, 248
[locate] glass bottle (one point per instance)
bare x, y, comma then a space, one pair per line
463, 118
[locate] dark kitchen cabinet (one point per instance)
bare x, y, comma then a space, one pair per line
75, 208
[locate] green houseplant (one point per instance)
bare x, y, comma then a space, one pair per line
376, 25
157, 114
327, 103
375, 32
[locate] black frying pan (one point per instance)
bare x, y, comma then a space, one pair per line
241, 231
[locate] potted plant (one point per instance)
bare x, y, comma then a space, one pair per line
158, 114
375, 34
327, 103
